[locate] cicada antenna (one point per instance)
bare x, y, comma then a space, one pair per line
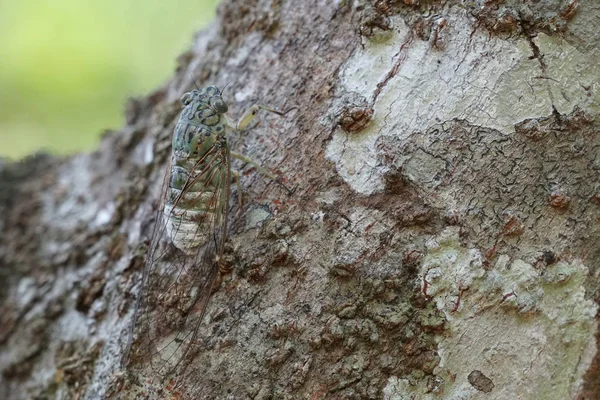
224, 87
289, 109
193, 80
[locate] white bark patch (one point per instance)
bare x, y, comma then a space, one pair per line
482, 79
520, 326
257, 216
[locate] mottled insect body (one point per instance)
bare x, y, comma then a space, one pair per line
199, 146
189, 236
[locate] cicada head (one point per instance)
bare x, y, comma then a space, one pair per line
209, 96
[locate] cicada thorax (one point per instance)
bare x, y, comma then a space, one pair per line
198, 169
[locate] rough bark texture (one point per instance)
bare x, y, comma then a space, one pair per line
442, 242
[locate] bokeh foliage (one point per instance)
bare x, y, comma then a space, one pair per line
67, 66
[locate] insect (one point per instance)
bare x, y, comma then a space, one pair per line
190, 232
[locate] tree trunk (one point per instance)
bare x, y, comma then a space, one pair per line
441, 242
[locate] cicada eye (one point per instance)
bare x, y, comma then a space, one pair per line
219, 105
187, 98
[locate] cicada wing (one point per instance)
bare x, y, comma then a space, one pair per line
139, 326
177, 285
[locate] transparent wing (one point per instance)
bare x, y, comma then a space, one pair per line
176, 286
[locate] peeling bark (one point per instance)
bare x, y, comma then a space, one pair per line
441, 242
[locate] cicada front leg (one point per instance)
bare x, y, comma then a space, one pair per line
244, 121
262, 170
249, 116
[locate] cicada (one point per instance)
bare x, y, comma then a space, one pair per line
190, 232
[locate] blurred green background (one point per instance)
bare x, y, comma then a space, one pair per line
68, 66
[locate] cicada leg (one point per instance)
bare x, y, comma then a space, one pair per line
244, 121
262, 170
251, 114
256, 165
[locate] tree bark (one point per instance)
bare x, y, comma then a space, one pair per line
441, 242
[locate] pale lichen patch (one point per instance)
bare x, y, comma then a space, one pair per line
486, 81
520, 326
424, 169
257, 216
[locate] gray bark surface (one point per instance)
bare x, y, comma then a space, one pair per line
441, 242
